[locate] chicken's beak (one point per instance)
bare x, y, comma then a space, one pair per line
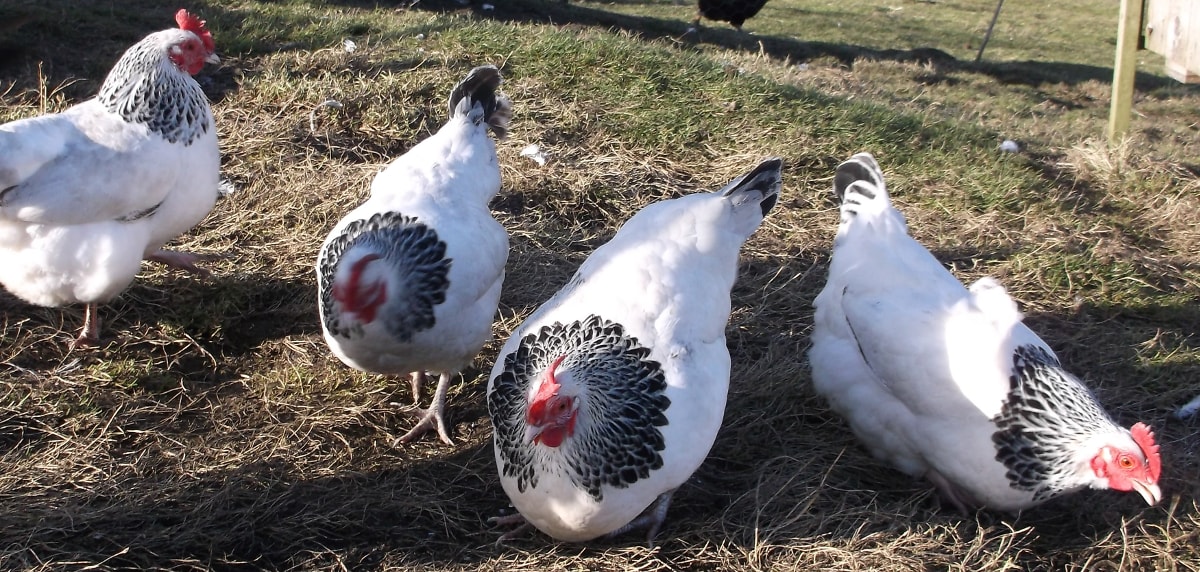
532, 434
212, 59
1149, 491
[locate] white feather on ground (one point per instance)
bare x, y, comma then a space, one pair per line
1189, 409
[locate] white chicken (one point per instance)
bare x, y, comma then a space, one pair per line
945, 382
87, 194
609, 396
409, 281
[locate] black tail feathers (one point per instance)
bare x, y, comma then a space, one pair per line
481, 86
765, 180
860, 167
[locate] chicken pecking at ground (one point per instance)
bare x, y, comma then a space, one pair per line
609, 396
945, 382
87, 194
736, 12
409, 281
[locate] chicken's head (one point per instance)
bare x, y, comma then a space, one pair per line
552, 412
1135, 468
193, 50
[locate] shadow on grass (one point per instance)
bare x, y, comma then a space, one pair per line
1033, 73
269, 514
231, 314
222, 316
38, 29
83, 40
334, 492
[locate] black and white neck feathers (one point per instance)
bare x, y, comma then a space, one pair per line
147, 88
945, 382
408, 282
610, 395
415, 260
617, 440
1048, 417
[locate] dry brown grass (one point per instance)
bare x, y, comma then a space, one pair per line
214, 430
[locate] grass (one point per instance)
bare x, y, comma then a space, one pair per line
214, 430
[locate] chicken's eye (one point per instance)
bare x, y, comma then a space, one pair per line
1125, 462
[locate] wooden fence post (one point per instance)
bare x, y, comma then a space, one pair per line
1124, 69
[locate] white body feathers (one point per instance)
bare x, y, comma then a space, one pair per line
445, 183
665, 278
921, 366
86, 194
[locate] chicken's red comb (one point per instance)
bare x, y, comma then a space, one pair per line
1144, 437
551, 385
195, 25
547, 390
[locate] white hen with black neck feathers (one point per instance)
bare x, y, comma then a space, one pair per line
87, 194
409, 281
609, 396
945, 382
